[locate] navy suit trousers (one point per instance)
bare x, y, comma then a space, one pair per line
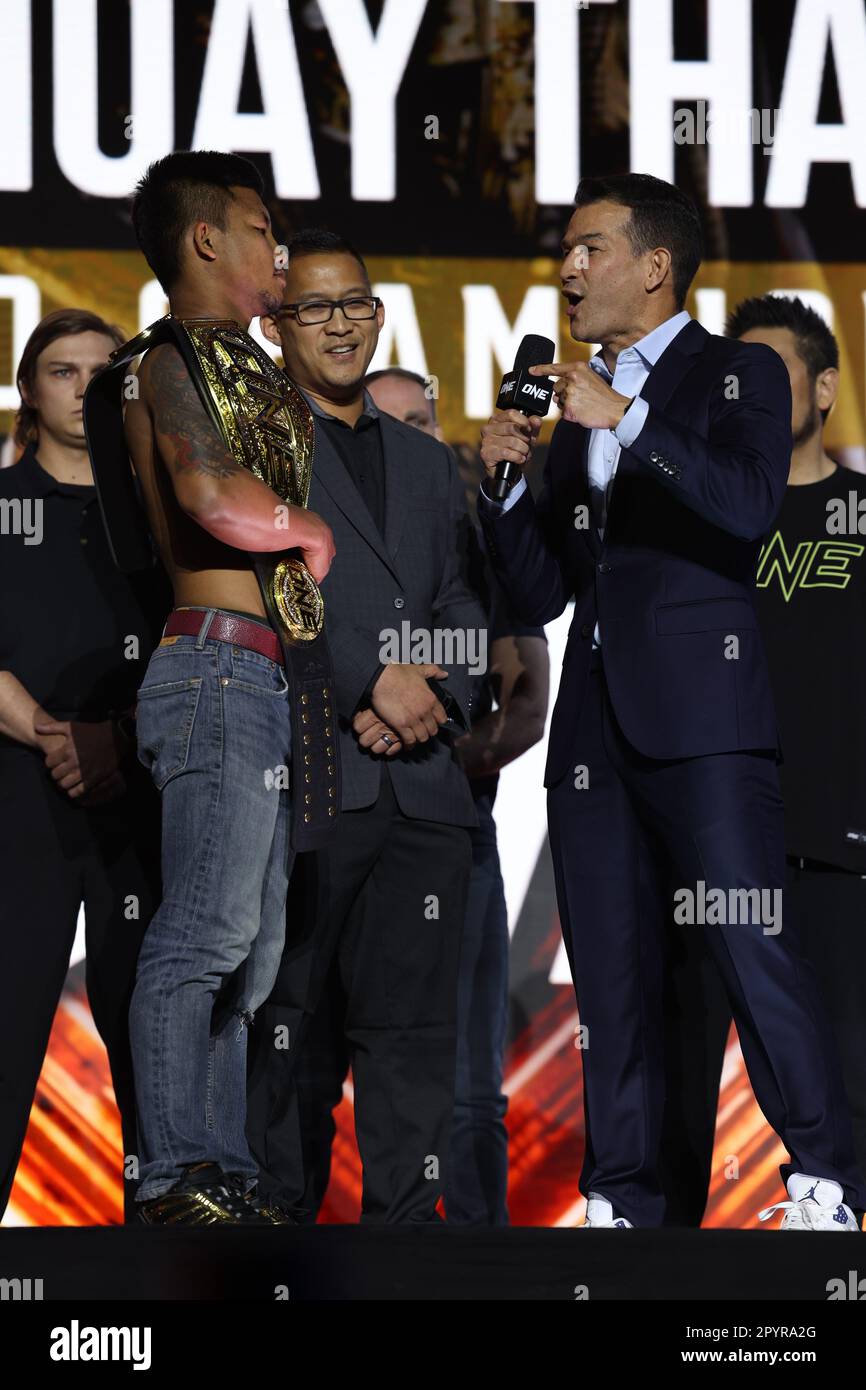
626, 834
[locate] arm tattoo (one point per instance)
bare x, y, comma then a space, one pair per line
181, 416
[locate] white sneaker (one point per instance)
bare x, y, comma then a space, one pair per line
816, 1205
599, 1212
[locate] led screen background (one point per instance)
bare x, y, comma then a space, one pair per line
445, 138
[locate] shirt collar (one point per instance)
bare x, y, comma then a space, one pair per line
650, 348
370, 407
38, 482
34, 481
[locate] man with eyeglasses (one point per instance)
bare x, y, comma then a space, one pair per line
388, 897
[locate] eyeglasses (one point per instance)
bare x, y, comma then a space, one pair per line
322, 310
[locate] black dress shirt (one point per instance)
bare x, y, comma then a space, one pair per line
360, 449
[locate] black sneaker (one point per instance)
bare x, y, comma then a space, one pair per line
273, 1211
279, 1213
204, 1196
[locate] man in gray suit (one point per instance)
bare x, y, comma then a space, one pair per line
388, 900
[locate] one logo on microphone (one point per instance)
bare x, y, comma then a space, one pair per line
540, 393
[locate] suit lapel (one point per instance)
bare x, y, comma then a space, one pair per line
396, 505
676, 360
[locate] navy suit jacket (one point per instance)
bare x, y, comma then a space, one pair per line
672, 581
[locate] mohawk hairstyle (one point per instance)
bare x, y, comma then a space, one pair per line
181, 188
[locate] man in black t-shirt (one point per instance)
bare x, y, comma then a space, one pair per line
79, 818
811, 602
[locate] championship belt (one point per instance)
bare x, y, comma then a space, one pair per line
267, 427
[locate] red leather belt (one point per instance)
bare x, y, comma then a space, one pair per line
225, 627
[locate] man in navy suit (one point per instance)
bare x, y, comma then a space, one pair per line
668, 466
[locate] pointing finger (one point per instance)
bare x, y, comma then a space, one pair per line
558, 368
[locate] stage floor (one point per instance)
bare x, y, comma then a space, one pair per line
397, 1263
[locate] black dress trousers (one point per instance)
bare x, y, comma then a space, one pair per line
54, 856
388, 908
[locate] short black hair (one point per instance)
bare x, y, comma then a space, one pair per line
179, 189
661, 215
318, 241
403, 374
816, 346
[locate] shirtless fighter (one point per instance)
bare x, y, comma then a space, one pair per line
213, 714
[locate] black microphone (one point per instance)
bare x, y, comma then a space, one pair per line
529, 394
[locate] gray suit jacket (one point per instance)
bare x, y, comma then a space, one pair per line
413, 575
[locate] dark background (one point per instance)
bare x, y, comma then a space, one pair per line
469, 193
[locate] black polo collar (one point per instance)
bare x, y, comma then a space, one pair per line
36, 481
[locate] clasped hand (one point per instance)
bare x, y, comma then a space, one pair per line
404, 709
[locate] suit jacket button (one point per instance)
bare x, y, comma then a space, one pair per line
654, 458
586, 630
399, 603
604, 567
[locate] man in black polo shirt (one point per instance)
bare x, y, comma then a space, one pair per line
80, 821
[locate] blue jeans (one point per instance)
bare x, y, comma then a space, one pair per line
477, 1173
213, 729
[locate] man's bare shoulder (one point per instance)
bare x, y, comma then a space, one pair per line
188, 439
162, 368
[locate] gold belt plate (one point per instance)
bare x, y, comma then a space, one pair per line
298, 600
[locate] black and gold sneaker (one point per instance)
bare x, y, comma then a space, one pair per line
204, 1196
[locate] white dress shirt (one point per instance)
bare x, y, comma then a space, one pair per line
633, 366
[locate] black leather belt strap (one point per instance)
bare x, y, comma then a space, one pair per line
315, 757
